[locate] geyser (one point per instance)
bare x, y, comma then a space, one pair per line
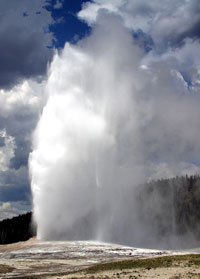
114, 118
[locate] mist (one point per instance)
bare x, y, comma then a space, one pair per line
115, 117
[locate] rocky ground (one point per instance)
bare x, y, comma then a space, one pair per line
92, 260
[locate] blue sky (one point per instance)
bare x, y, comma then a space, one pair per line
69, 28
31, 31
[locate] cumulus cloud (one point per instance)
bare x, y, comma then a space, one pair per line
11, 209
19, 113
25, 94
167, 22
20, 110
5, 205
6, 150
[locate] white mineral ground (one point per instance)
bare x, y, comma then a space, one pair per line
59, 259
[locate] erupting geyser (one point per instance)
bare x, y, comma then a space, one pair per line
113, 119
85, 152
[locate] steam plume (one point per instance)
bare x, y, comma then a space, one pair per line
115, 117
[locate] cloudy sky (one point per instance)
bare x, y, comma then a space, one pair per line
31, 32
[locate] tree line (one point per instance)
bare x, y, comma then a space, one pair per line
18, 228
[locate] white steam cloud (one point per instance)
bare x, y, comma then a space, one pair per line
115, 117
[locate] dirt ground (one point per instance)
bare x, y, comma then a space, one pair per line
92, 260
165, 273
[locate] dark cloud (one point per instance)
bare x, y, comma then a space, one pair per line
193, 32
14, 185
2, 141
12, 193
23, 48
21, 58
21, 154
